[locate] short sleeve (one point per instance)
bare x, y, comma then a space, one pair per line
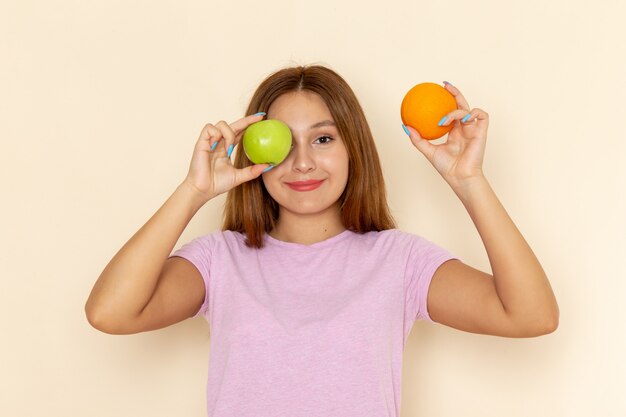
198, 252
424, 257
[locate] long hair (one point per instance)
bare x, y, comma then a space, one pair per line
251, 210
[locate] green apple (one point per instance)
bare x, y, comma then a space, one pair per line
267, 142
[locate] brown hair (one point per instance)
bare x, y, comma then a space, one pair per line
249, 207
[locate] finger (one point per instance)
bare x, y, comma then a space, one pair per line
249, 173
240, 125
480, 116
210, 134
422, 145
460, 99
227, 134
452, 116
477, 116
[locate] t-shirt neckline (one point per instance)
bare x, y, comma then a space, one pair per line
331, 240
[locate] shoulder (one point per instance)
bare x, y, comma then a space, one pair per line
392, 237
406, 243
216, 240
385, 242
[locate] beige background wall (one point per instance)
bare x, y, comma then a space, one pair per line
102, 102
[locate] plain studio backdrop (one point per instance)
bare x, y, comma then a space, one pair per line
101, 104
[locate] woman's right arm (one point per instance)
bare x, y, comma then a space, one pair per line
140, 289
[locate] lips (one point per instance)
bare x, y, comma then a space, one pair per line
305, 185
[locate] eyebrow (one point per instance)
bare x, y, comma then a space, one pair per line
321, 124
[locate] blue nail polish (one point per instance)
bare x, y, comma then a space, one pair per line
214, 145
442, 120
406, 130
261, 113
268, 168
230, 150
466, 117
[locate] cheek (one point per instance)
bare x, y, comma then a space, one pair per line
271, 179
339, 165
335, 161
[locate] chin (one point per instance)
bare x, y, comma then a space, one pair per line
305, 203
306, 207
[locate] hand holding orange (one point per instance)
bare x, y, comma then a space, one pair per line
424, 106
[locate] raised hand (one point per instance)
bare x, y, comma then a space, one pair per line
211, 171
460, 158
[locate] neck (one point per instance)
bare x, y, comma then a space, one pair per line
307, 229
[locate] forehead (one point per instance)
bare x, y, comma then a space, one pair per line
299, 105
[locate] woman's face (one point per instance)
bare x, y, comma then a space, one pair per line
317, 153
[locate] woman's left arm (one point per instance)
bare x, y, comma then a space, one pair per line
517, 300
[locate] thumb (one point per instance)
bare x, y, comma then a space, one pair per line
250, 172
422, 145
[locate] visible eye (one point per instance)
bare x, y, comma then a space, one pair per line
329, 139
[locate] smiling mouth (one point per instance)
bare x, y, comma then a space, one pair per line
304, 185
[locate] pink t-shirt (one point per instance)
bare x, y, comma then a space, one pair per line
311, 330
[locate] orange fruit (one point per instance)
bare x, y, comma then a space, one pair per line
424, 106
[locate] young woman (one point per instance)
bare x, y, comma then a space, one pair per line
309, 290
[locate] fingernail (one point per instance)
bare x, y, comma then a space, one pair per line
268, 168
406, 130
442, 120
230, 149
466, 117
261, 113
214, 145
445, 82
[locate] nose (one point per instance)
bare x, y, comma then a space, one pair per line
303, 160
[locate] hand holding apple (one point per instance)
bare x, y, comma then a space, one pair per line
267, 142
211, 171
